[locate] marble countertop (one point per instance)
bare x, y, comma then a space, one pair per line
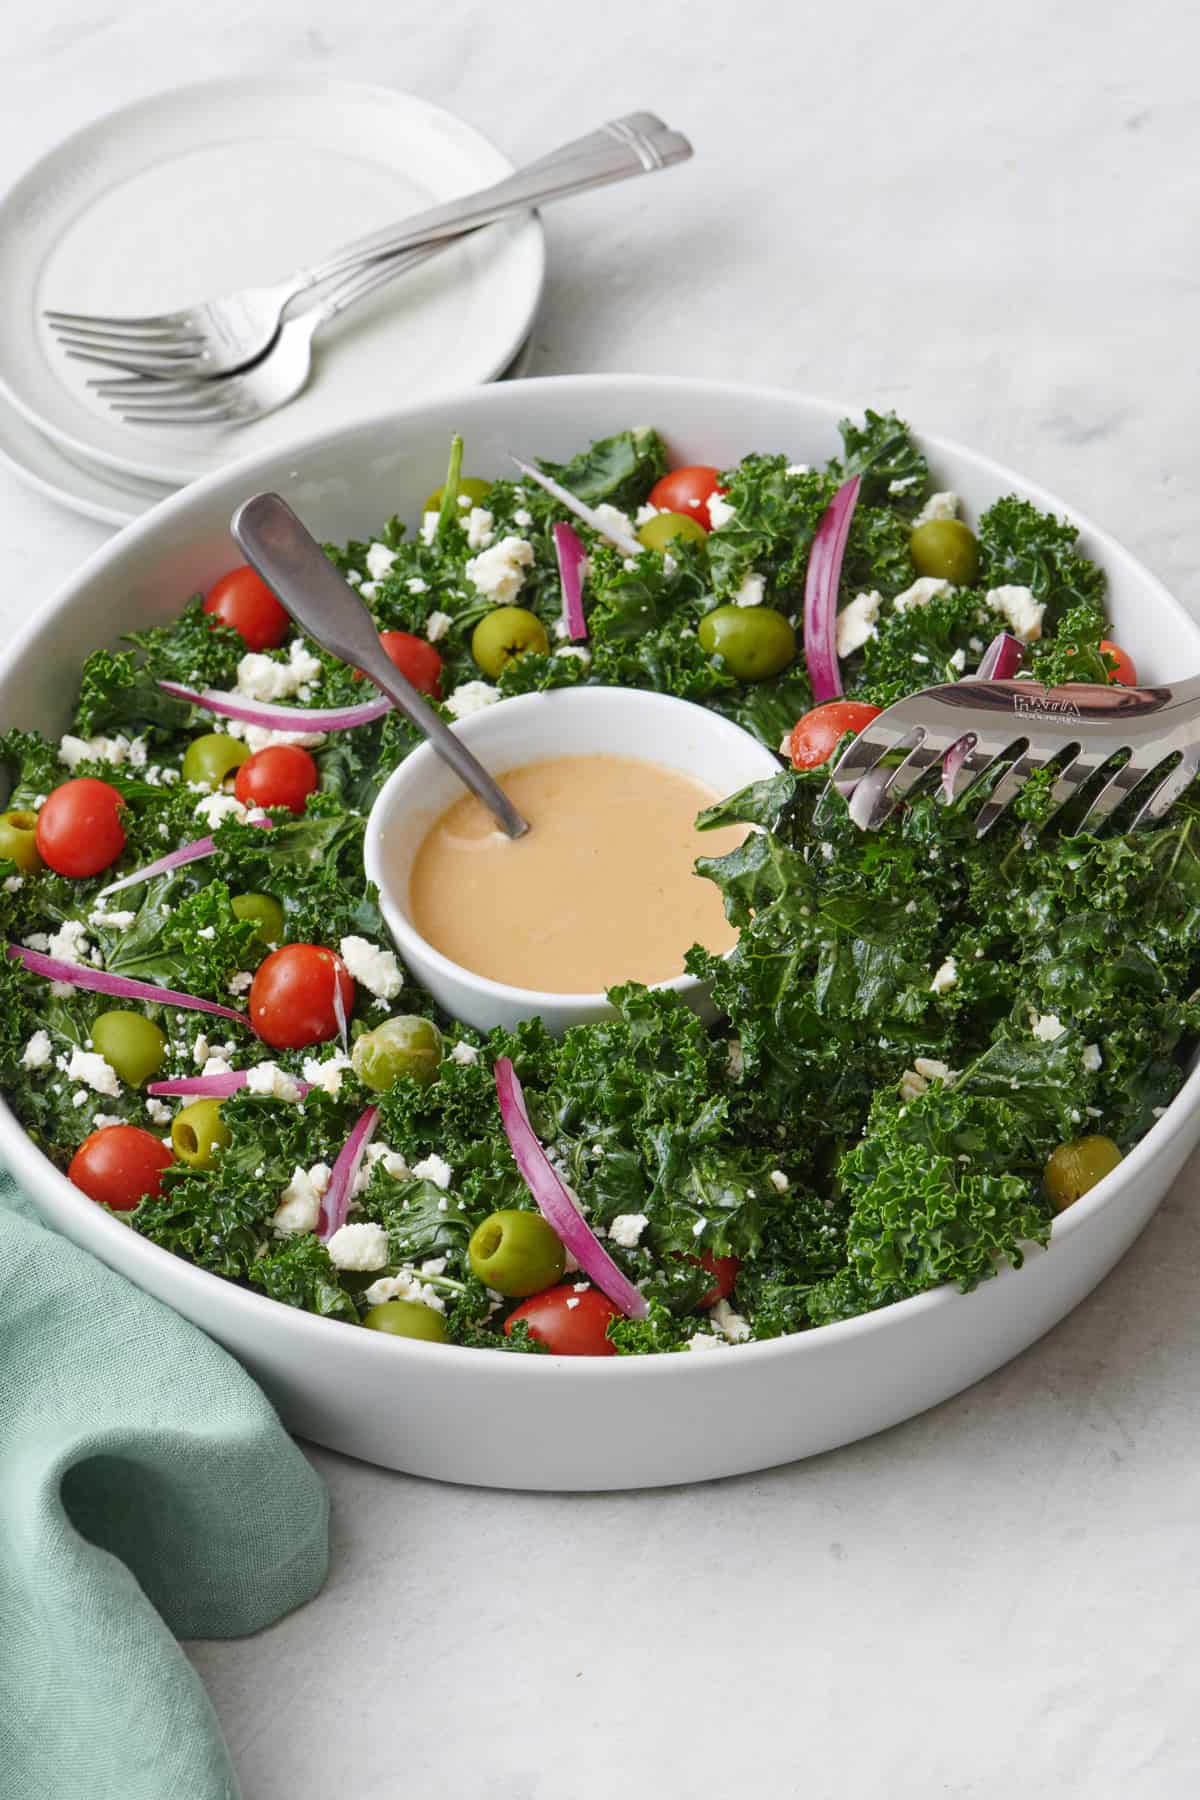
985, 217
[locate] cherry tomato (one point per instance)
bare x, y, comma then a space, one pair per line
291, 996
568, 1329
243, 601
817, 735
79, 829
120, 1165
688, 491
280, 775
414, 657
1124, 672
724, 1271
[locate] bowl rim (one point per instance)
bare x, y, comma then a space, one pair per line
312, 1332
537, 1000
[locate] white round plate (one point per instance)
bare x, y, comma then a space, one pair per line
226, 184
103, 494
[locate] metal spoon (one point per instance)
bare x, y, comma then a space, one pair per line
295, 567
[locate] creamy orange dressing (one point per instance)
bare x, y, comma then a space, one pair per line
600, 890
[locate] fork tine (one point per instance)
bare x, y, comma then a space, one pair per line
215, 413
134, 365
195, 399
1007, 789
1168, 791
1083, 764
1117, 788
147, 349
148, 335
141, 321
861, 755
883, 790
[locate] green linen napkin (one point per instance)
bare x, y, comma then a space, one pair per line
146, 1488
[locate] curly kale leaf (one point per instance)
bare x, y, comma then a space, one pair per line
193, 941
1022, 547
620, 469
776, 515
32, 766
118, 693
924, 645
881, 450
1074, 653
299, 1272
194, 649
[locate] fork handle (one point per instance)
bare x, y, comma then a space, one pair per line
638, 144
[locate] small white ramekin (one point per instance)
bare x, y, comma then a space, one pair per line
579, 721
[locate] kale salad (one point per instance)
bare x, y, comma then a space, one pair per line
926, 1044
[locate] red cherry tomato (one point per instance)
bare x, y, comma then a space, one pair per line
1124, 672
79, 829
120, 1165
280, 775
816, 736
414, 657
291, 996
723, 1269
568, 1329
688, 491
243, 601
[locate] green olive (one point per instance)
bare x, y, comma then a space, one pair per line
1072, 1169
408, 1318
660, 532
755, 641
476, 492
209, 759
199, 1133
404, 1048
505, 632
17, 842
266, 912
516, 1253
947, 549
131, 1044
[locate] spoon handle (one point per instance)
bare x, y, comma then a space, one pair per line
295, 567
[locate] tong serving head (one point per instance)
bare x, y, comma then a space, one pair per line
1079, 729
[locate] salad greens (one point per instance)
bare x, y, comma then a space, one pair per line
909, 1025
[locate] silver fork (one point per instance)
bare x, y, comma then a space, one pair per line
217, 337
1079, 728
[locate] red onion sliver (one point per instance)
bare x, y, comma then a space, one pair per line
213, 1087
187, 853
279, 718
554, 1198
571, 554
97, 981
821, 592
336, 1203
625, 542
999, 662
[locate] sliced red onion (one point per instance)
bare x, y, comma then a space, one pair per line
187, 853
999, 662
339, 1013
279, 718
97, 981
555, 1200
213, 1087
625, 542
336, 1203
821, 592
571, 556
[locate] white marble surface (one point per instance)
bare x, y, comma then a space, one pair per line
984, 215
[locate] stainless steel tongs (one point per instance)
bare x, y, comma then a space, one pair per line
1079, 728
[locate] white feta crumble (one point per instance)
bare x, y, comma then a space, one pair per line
779, 1181
704, 1340
522, 517
613, 523
785, 745
437, 625
415, 585
571, 1304
90, 1067
215, 807
207, 931
698, 1228
70, 943
735, 1058
36, 1053
938, 506
262, 677
752, 589
300, 1202
393, 1163
478, 527
13, 884
464, 1053
376, 968
1022, 611
112, 921
158, 1111
856, 622
217, 1065
730, 1324
261, 737
720, 512
645, 513
116, 750
1049, 1027
268, 1078
911, 1085
499, 572
354, 577
627, 1228
958, 661
471, 697
79, 1097
241, 982
1092, 1059
579, 651
370, 589
429, 525
379, 561
946, 976
434, 1168
359, 1247
797, 469
328, 1074
929, 587
102, 1119
931, 1068
404, 1286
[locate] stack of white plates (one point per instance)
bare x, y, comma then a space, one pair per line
224, 185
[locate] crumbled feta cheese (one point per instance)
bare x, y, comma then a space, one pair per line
116, 750
730, 1324
354, 577
370, 589
429, 525
471, 697
946, 976
856, 622
645, 513
522, 518
13, 884
79, 1097
437, 625
499, 572
464, 1053
932, 1069
1049, 1027
579, 651
704, 1340
911, 1085
327, 1074
478, 527
70, 943
698, 1228
241, 982
902, 484
36, 1053
415, 585
571, 1304
1092, 1059
958, 661
376, 969
735, 1060
359, 1247
101, 1119
627, 1228
379, 561
719, 511
300, 1202
90, 1067
751, 592
393, 1163
779, 1181
262, 737
157, 1111
613, 523
929, 587
797, 469
938, 506
217, 1065
265, 678
1022, 611
215, 807
268, 1078
404, 1286
112, 921
434, 1168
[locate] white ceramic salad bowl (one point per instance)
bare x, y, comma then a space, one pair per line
550, 1422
